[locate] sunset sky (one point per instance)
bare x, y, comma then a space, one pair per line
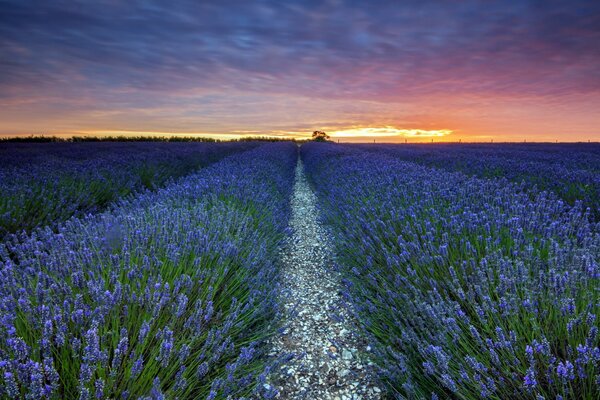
389, 70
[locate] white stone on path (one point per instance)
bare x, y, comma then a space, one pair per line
333, 364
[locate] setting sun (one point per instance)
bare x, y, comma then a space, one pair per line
389, 131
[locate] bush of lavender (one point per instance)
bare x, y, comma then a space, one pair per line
570, 170
467, 288
46, 183
168, 295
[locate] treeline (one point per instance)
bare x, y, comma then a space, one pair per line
77, 139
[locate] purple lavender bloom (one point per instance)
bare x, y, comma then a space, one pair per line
145, 328
448, 382
84, 394
212, 395
156, 393
19, 348
565, 371
99, 386
36, 386
51, 374
202, 370
530, 381
85, 373
11, 387
91, 351
76, 344
166, 348
429, 367
181, 305
209, 311
180, 380
137, 367
183, 353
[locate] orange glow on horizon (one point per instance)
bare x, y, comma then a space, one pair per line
390, 131
365, 134
355, 132
448, 118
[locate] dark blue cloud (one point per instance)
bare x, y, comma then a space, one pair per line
143, 53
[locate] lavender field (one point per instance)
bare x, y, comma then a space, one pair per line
468, 286
46, 183
322, 271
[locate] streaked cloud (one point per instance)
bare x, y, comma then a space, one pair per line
477, 68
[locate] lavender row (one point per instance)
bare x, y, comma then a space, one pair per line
570, 170
466, 288
169, 295
43, 184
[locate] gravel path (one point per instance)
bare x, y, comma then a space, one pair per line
330, 359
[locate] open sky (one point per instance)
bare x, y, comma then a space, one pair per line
393, 70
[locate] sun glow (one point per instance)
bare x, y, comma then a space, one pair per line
389, 131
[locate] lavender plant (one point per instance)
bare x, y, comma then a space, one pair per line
466, 288
570, 170
170, 294
43, 184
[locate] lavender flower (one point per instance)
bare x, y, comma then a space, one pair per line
11, 387
137, 368
166, 348
565, 371
143, 332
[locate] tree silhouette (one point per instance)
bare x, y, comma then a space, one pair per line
320, 136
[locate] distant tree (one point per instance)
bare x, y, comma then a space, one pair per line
320, 136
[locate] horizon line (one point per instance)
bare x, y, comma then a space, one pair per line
233, 137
